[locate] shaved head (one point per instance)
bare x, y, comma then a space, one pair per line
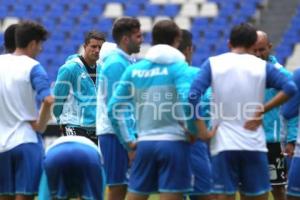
262, 47
262, 36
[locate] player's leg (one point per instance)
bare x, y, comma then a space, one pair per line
20, 170
174, 169
201, 197
143, 178
23, 197
264, 196
225, 197
225, 170
171, 196
254, 175
117, 192
202, 174
115, 165
278, 170
293, 191
6, 176
6, 197
28, 169
135, 196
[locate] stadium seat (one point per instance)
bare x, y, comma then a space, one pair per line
189, 10
183, 22
170, 10
132, 10
146, 23
213, 17
152, 10
113, 10
8, 21
209, 9
162, 2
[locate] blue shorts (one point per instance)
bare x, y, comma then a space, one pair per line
293, 188
246, 170
20, 169
74, 170
115, 160
201, 169
161, 166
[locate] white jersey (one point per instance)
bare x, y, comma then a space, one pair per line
238, 83
17, 101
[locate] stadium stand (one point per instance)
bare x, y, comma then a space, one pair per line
209, 20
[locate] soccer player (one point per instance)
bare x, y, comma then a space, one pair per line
271, 123
9, 38
127, 35
291, 110
75, 90
238, 148
154, 87
22, 81
199, 157
73, 169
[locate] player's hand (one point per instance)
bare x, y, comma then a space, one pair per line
35, 126
255, 122
131, 153
289, 149
132, 145
209, 134
212, 132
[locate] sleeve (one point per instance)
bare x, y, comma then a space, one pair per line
199, 86
278, 80
121, 110
62, 88
291, 108
112, 74
206, 107
40, 82
292, 129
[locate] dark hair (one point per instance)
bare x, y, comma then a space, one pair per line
243, 35
28, 31
9, 38
186, 40
93, 35
165, 32
124, 26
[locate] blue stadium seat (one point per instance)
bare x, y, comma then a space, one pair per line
132, 10
170, 10
62, 16
147, 37
105, 24
152, 10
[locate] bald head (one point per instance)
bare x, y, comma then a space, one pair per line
262, 47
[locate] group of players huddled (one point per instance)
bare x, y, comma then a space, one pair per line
148, 125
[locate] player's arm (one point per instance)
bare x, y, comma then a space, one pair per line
287, 88
291, 108
198, 88
112, 74
120, 110
63, 86
41, 85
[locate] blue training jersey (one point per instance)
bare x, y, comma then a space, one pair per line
155, 88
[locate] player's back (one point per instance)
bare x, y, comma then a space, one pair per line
17, 100
157, 94
238, 83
